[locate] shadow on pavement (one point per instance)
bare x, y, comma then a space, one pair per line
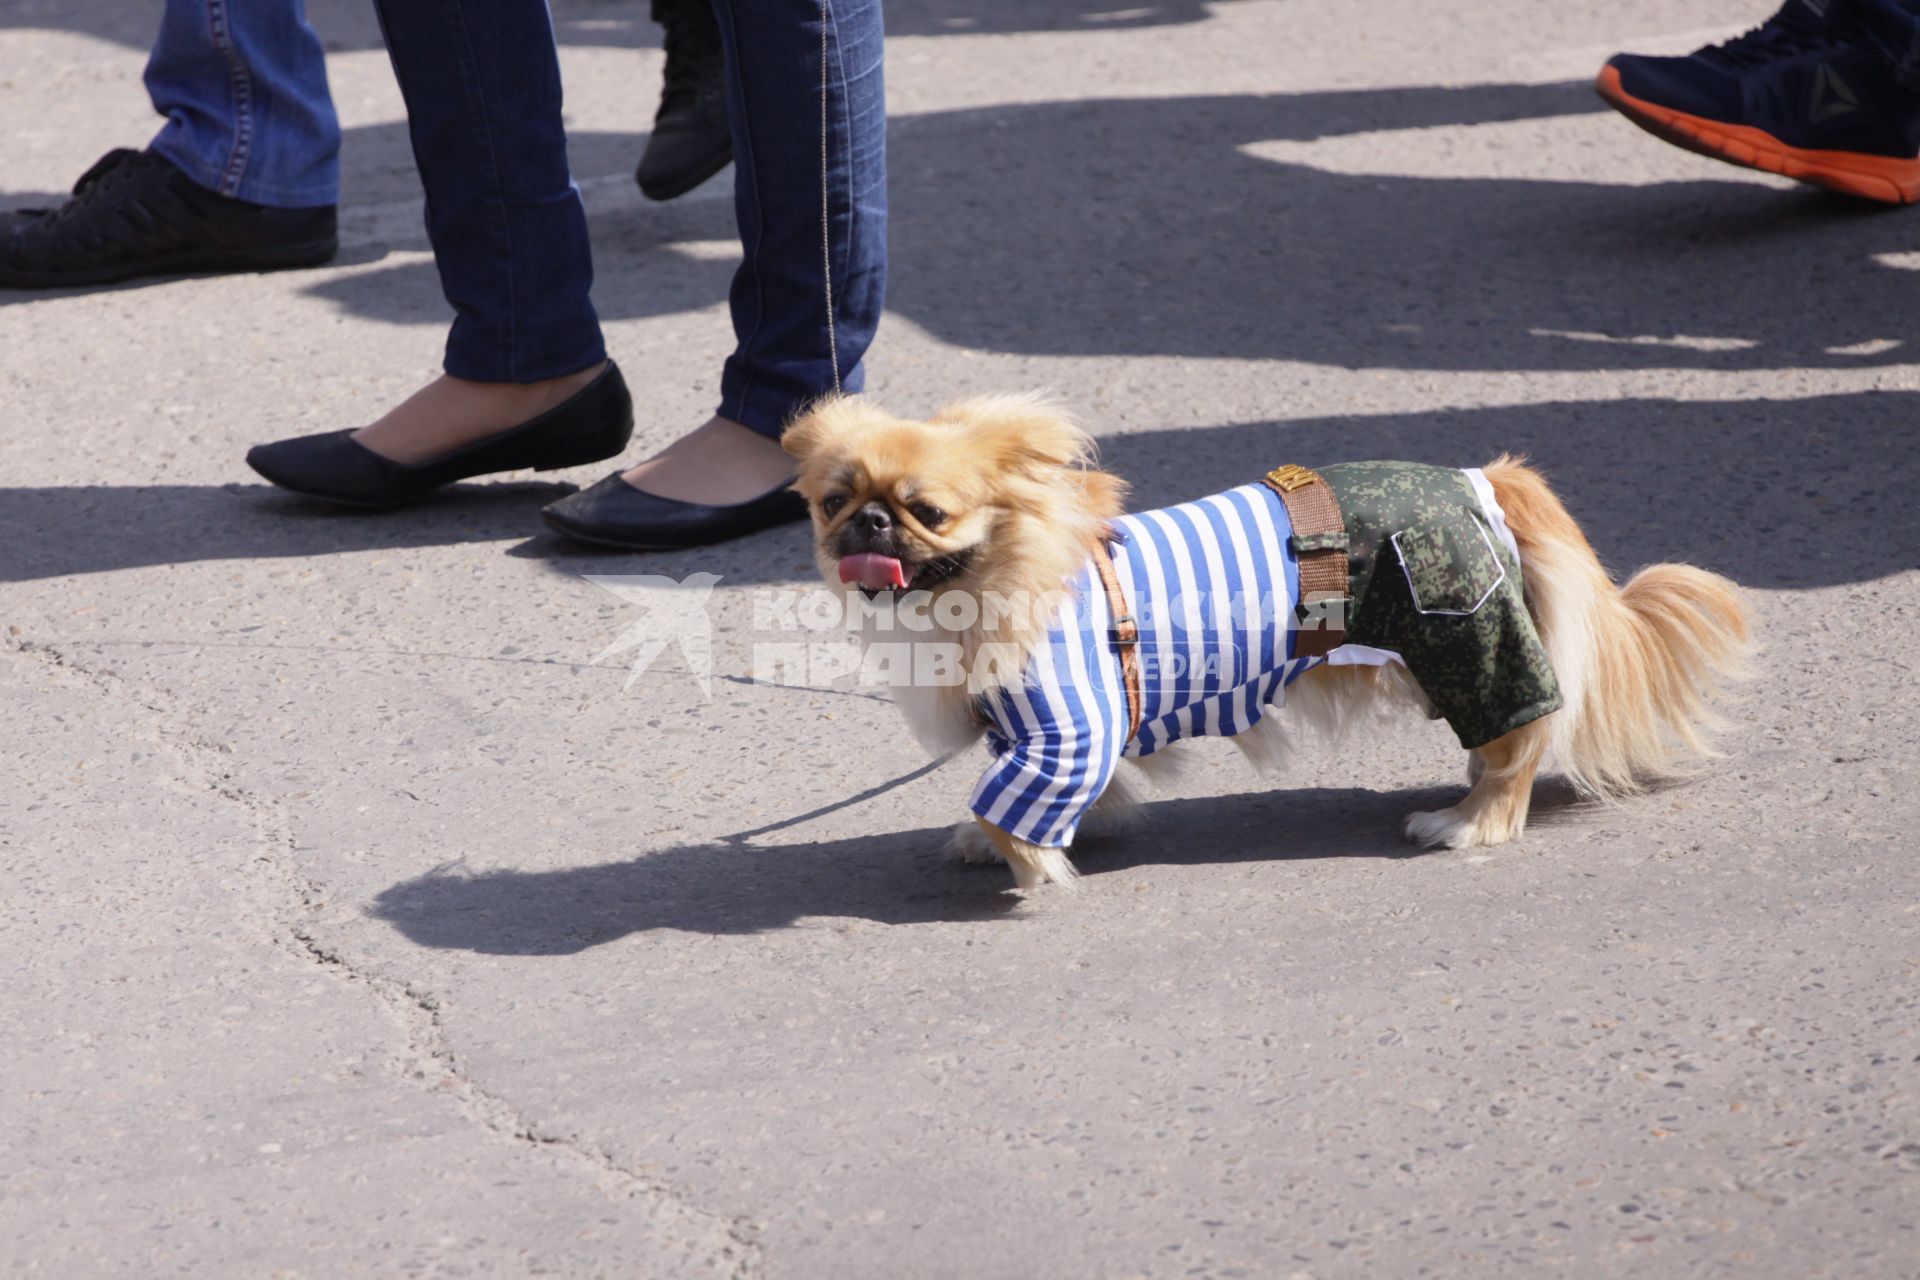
58, 532
1142, 227
61, 532
1778, 494
892, 879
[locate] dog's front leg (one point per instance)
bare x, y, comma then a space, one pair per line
1033, 865
969, 843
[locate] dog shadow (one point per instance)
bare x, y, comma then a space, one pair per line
728, 887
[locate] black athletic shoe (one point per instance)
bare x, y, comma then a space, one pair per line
1817, 92
690, 141
135, 214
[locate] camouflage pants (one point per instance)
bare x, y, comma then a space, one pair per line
1430, 580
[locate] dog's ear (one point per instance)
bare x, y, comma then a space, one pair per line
824, 422
1025, 431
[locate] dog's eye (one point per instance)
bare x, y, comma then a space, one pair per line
928, 514
833, 504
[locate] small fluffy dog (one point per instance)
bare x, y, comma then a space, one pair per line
988, 545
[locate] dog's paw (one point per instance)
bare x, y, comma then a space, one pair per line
1441, 829
970, 845
1034, 866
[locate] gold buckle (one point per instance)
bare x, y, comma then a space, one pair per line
1291, 477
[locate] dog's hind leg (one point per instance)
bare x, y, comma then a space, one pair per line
1495, 811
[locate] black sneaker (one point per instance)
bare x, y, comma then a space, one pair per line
690, 141
135, 214
1816, 93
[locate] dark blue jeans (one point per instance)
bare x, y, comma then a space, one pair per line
481, 80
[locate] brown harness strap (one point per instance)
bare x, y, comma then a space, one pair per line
1125, 636
1320, 542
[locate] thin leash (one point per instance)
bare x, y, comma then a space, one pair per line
742, 837
826, 207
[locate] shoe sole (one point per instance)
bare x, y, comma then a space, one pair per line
293, 257
356, 504
362, 504
1886, 179
693, 179
596, 540
600, 540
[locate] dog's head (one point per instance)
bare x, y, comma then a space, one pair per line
992, 494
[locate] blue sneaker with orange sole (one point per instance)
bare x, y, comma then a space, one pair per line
1819, 92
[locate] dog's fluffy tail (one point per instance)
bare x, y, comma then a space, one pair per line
1638, 664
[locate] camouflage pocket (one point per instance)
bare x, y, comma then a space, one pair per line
1451, 566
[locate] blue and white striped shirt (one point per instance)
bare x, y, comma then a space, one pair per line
1212, 584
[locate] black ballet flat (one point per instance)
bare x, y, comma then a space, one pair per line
615, 514
592, 425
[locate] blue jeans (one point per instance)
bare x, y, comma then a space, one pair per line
481, 80
812, 211
243, 85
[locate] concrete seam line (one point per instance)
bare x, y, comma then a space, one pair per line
427, 1059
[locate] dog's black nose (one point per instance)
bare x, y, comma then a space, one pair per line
873, 520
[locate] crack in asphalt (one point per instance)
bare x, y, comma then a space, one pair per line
427, 1058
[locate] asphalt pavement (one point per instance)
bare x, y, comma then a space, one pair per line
363, 916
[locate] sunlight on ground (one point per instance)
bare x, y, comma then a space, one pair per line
1599, 147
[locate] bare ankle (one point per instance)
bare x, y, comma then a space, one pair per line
720, 463
452, 412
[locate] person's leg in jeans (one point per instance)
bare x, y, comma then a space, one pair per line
807, 109
244, 175
527, 381
481, 79
811, 201
243, 85
812, 211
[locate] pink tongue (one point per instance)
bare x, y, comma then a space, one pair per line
874, 572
